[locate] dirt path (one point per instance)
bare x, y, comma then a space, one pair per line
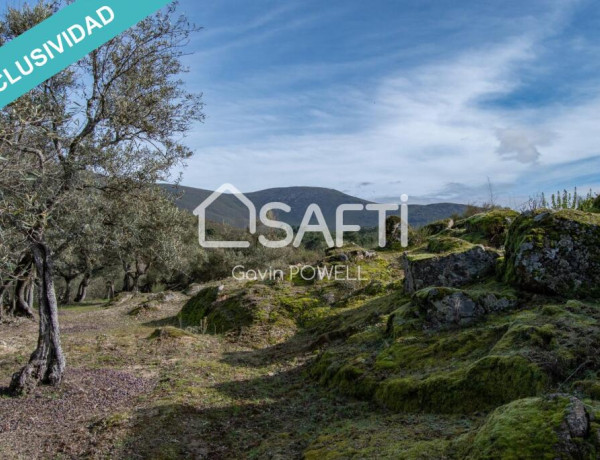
130, 393
128, 396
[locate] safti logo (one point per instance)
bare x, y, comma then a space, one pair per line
313, 210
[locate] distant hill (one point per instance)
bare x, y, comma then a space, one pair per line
229, 210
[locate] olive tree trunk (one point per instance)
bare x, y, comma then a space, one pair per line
67, 294
21, 296
127, 278
47, 363
31, 292
110, 290
83, 286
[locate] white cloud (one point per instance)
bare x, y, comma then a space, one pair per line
422, 129
522, 144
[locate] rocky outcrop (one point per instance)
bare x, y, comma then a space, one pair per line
491, 227
438, 226
467, 264
347, 253
555, 426
246, 314
441, 307
555, 253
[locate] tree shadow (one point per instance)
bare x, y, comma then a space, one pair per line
335, 329
273, 416
296, 346
162, 322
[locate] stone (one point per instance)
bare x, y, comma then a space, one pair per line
438, 226
555, 252
577, 419
469, 264
442, 307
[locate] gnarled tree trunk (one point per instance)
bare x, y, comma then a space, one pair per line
67, 294
128, 280
21, 296
47, 363
83, 285
19, 305
31, 292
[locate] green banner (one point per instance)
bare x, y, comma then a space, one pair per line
63, 39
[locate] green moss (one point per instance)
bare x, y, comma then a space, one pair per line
589, 388
438, 226
526, 428
348, 377
354, 381
490, 227
252, 309
440, 245
388, 436
544, 229
487, 383
521, 337
552, 310
445, 351
194, 311
437, 246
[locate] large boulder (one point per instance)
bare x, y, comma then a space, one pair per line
555, 427
555, 252
457, 265
249, 314
441, 307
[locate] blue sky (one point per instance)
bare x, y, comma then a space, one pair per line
380, 98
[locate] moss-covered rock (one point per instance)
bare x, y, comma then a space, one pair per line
461, 264
438, 226
252, 312
350, 379
553, 427
196, 309
555, 253
487, 383
442, 307
489, 227
444, 245
508, 355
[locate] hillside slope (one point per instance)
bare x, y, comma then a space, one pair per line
229, 210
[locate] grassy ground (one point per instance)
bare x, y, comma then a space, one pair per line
133, 392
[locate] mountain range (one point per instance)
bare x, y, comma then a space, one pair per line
229, 210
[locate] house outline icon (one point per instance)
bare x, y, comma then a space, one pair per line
200, 211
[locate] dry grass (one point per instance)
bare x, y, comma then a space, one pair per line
133, 393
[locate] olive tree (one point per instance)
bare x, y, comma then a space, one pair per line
81, 241
119, 114
16, 272
153, 238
